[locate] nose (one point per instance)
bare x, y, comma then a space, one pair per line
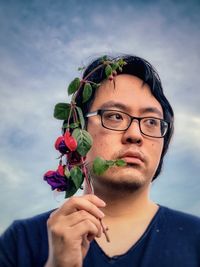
133, 133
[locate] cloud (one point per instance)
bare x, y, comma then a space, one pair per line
41, 49
188, 132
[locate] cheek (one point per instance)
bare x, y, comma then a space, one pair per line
103, 145
99, 142
156, 150
97, 149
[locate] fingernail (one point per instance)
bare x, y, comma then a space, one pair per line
103, 204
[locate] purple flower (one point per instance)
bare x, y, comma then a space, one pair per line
60, 145
56, 180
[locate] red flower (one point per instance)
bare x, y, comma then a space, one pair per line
60, 170
58, 141
74, 158
60, 145
70, 141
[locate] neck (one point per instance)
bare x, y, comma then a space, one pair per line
135, 205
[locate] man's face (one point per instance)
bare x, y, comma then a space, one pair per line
142, 153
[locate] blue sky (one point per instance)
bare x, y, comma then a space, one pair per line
42, 43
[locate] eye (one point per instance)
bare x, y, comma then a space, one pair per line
114, 116
151, 122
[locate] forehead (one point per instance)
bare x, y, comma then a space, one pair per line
128, 93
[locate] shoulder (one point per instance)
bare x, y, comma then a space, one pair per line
29, 234
180, 221
36, 222
22, 228
177, 215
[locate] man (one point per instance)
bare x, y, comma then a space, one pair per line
128, 119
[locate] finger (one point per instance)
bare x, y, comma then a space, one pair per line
90, 203
86, 228
80, 216
63, 222
95, 200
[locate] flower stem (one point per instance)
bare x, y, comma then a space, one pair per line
68, 121
85, 79
91, 191
104, 230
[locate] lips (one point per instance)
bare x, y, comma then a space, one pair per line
132, 157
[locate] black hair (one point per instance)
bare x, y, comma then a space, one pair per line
142, 69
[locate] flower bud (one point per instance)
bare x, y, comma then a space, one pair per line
74, 158
70, 141
60, 145
60, 170
110, 78
114, 73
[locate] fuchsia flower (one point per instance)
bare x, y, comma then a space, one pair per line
56, 179
70, 141
61, 146
66, 143
74, 158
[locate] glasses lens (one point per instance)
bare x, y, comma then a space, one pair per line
115, 120
153, 127
164, 127
119, 121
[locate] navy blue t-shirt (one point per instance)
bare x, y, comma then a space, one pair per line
172, 239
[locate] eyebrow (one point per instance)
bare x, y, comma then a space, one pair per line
112, 104
151, 110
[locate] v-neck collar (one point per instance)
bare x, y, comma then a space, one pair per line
141, 239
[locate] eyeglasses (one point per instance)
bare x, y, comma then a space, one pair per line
120, 121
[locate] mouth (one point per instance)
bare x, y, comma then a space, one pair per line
131, 164
132, 159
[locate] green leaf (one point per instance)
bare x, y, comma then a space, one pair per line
95, 85
81, 68
121, 62
72, 189
104, 58
110, 163
73, 125
61, 111
66, 172
76, 176
87, 92
120, 162
73, 86
114, 66
64, 126
75, 181
81, 118
99, 166
108, 70
83, 139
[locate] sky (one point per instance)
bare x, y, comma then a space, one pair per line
42, 44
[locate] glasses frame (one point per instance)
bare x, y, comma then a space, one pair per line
101, 111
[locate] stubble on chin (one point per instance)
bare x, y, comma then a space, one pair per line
111, 181
129, 179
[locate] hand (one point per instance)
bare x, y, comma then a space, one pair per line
71, 228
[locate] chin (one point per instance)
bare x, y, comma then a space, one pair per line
120, 181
